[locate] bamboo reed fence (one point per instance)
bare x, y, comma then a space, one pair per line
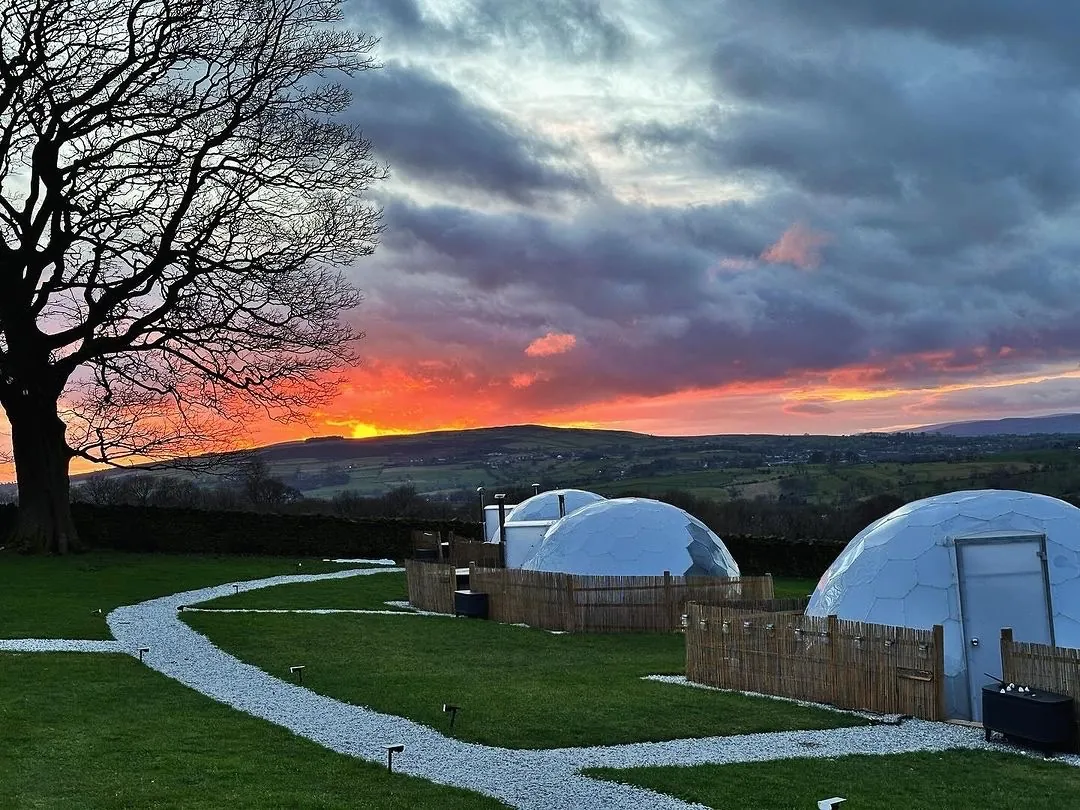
431, 585
1055, 669
469, 552
850, 665
555, 601
458, 551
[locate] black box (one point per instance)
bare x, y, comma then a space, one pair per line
1040, 719
471, 603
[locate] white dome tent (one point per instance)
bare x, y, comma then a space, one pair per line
526, 522
632, 537
545, 506
973, 562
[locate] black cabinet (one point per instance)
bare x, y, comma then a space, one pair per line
471, 603
1042, 720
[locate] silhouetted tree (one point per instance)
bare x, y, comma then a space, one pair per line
175, 199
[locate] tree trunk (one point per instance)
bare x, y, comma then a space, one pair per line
44, 524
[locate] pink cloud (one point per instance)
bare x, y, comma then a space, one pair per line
808, 408
551, 343
523, 380
799, 245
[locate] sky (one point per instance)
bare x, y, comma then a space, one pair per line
752, 216
679, 218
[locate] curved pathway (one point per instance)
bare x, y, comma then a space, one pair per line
525, 779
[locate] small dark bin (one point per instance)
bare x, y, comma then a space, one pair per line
1042, 720
461, 579
471, 603
426, 555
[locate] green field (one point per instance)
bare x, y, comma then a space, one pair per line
957, 780
105, 732
353, 593
102, 731
517, 687
69, 597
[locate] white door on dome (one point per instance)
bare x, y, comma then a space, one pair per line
1003, 583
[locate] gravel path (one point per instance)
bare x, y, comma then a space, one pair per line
525, 779
61, 645
317, 611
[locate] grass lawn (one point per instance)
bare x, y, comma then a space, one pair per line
58, 597
102, 731
786, 587
355, 593
958, 780
517, 687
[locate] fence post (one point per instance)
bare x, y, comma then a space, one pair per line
770, 590
571, 606
692, 641
669, 603
1006, 651
834, 676
939, 672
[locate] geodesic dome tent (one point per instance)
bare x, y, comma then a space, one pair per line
632, 537
974, 562
545, 505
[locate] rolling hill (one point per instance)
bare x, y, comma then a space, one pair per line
1068, 423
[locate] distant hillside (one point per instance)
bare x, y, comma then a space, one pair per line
1013, 426
475, 442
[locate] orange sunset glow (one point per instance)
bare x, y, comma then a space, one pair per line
381, 399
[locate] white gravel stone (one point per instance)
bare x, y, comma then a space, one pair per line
318, 611
361, 561
61, 645
681, 680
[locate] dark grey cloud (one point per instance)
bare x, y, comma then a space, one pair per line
430, 131
1041, 31
580, 30
636, 285
939, 164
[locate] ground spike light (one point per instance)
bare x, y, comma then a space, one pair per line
142, 651
390, 751
298, 671
451, 710
536, 489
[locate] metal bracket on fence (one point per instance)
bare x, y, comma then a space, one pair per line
888, 643
770, 627
726, 626
924, 647
703, 623
747, 625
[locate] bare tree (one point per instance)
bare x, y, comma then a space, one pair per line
177, 197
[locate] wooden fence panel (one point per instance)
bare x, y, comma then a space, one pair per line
468, 552
431, 586
1055, 669
605, 604
851, 665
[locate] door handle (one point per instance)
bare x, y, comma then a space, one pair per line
974, 642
